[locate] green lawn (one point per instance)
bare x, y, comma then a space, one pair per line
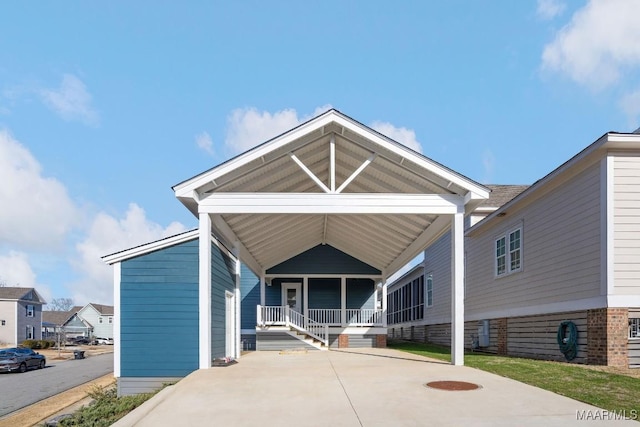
605, 390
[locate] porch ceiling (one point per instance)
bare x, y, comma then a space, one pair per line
368, 196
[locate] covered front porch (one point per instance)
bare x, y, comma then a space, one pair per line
329, 182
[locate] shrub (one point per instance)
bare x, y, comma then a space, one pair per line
32, 344
45, 344
105, 409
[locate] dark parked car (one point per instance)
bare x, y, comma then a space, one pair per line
80, 340
20, 359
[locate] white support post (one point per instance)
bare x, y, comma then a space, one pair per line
384, 303
305, 298
238, 296
457, 288
262, 290
343, 301
117, 315
204, 236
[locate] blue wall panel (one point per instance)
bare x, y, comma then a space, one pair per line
324, 293
323, 259
360, 293
159, 304
223, 278
250, 291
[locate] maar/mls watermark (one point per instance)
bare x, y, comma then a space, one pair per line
605, 415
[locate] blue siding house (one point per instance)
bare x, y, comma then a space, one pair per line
296, 238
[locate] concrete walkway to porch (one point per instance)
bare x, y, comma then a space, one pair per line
354, 387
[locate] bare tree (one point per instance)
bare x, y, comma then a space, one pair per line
60, 304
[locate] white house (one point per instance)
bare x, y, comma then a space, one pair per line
20, 315
555, 265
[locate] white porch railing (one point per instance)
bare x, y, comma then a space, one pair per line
364, 316
330, 316
277, 315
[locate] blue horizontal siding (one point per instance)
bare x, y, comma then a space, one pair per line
223, 278
324, 293
323, 259
360, 293
159, 304
250, 291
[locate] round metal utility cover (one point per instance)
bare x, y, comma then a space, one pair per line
452, 385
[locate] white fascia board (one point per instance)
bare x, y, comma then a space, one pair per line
187, 188
415, 157
220, 225
150, 247
317, 203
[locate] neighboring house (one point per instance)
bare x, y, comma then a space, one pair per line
293, 237
564, 249
92, 320
20, 315
99, 317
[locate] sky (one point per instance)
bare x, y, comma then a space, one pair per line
104, 106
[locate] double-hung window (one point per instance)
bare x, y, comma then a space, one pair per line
30, 311
508, 252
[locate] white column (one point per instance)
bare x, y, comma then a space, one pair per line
457, 288
384, 303
262, 290
238, 296
343, 301
204, 236
117, 313
305, 296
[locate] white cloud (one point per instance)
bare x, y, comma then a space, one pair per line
549, 9
36, 212
16, 271
204, 142
71, 100
108, 235
248, 127
400, 134
630, 104
601, 42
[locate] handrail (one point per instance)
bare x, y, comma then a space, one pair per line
283, 315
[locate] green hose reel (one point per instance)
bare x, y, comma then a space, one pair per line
568, 339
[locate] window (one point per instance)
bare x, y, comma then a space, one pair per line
508, 260
406, 302
29, 332
429, 290
30, 311
100, 319
3, 322
634, 328
110, 319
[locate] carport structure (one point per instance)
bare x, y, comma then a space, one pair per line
331, 181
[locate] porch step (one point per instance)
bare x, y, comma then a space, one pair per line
307, 339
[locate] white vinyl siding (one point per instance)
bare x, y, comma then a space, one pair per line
626, 213
562, 250
437, 261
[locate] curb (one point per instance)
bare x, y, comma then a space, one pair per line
133, 417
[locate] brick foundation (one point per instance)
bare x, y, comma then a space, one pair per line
607, 336
381, 341
502, 336
343, 341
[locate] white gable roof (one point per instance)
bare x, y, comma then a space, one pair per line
331, 180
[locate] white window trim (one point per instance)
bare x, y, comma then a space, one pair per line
32, 312
428, 277
507, 255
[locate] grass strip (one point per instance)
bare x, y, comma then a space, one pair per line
605, 390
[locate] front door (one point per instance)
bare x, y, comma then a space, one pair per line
292, 296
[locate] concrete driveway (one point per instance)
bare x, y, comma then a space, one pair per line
358, 387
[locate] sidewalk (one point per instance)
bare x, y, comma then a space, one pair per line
357, 387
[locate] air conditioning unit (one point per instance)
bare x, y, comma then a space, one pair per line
483, 333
